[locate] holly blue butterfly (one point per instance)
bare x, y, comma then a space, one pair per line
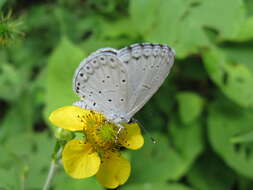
118, 83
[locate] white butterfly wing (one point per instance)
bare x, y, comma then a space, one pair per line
119, 83
147, 66
101, 81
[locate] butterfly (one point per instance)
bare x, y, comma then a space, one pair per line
118, 83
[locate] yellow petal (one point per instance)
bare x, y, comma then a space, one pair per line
131, 137
69, 117
79, 159
114, 171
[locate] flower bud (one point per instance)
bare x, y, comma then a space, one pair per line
64, 135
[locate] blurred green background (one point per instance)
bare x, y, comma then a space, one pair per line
202, 116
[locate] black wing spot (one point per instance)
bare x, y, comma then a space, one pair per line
123, 80
103, 81
81, 74
99, 92
94, 103
109, 100
102, 59
78, 84
108, 76
121, 99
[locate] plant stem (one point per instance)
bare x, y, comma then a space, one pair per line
52, 170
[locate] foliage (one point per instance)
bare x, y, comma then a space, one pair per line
202, 116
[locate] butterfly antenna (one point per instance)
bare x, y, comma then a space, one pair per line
154, 141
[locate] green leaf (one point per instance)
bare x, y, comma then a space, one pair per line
190, 106
19, 117
158, 186
37, 167
243, 138
9, 179
245, 183
203, 174
249, 7
187, 140
183, 23
29, 155
11, 82
225, 121
61, 67
164, 99
246, 30
118, 28
138, 12
240, 54
2, 2
234, 79
153, 159
64, 182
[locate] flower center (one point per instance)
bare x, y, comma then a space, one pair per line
100, 133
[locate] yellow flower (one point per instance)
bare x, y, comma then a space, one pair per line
99, 152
